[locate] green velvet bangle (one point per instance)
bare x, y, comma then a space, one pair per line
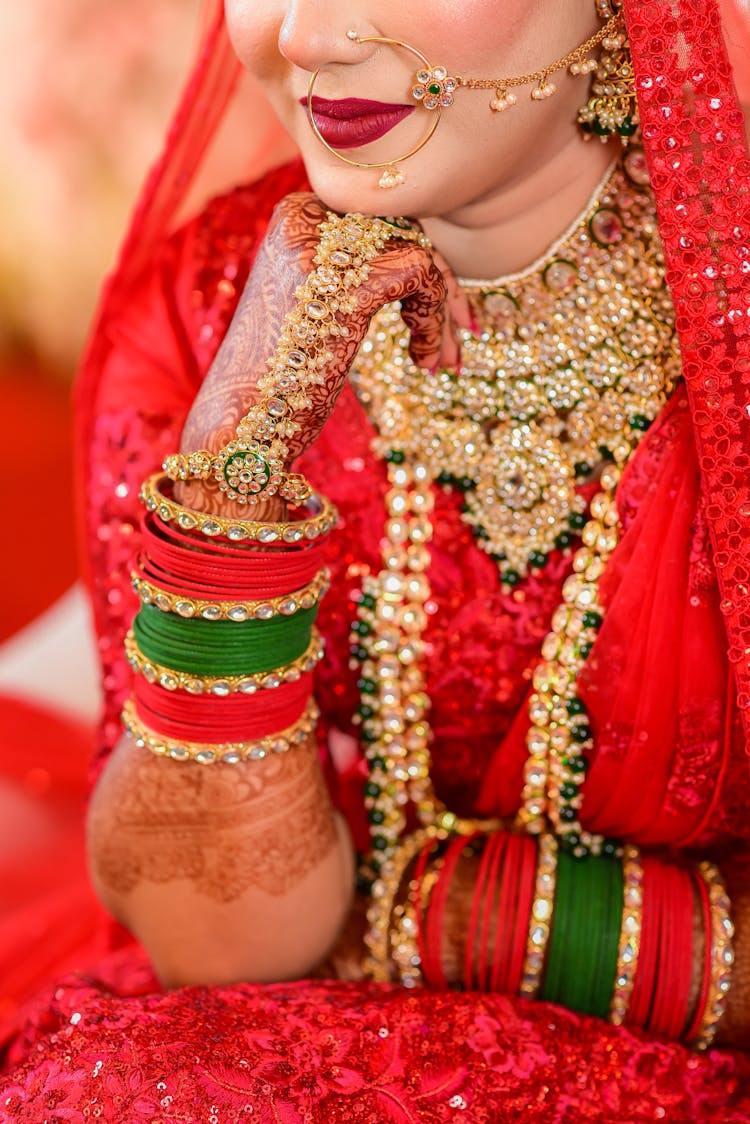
222, 647
584, 939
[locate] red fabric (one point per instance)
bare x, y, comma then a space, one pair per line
662, 704
46, 902
109, 1046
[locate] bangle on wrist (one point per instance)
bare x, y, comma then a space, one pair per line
541, 917
173, 680
209, 753
238, 611
719, 960
320, 518
629, 946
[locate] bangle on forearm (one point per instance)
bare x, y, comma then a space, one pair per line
217, 568
719, 960
670, 888
607, 936
209, 753
522, 911
318, 518
493, 944
541, 917
582, 957
480, 902
204, 655
222, 647
432, 960
406, 941
172, 680
629, 947
377, 960
184, 605
235, 718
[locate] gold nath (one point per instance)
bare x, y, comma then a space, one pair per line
435, 87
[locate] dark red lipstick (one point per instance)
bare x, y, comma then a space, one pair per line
351, 122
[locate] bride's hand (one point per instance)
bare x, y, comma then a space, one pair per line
404, 272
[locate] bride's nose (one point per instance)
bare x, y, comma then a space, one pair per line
313, 33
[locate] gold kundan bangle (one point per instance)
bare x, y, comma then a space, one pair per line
630, 934
541, 918
720, 956
291, 532
172, 680
229, 753
404, 944
305, 598
408, 918
376, 964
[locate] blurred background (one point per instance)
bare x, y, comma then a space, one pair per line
86, 88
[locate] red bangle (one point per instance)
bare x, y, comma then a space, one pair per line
674, 965
656, 1017
522, 913
682, 936
702, 889
204, 718
498, 845
171, 554
504, 921
433, 961
416, 896
477, 903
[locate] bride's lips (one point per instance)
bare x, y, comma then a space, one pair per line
351, 122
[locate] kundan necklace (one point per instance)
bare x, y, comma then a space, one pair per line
574, 359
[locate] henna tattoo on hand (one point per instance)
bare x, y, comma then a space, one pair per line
262, 825
403, 272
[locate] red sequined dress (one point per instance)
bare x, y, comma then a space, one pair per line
670, 767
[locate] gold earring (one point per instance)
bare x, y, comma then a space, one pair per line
612, 109
392, 175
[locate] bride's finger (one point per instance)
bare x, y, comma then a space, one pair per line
407, 273
459, 309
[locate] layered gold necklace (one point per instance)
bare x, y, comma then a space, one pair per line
574, 358
571, 352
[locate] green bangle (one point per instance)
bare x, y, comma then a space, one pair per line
222, 647
584, 941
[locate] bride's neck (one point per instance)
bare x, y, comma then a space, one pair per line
508, 230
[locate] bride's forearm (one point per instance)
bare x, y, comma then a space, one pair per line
734, 1027
224, 873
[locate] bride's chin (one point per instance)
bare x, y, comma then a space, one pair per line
355, 189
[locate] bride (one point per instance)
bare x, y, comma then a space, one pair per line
443, 581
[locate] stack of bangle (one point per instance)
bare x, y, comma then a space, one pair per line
606, 936
224, 643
